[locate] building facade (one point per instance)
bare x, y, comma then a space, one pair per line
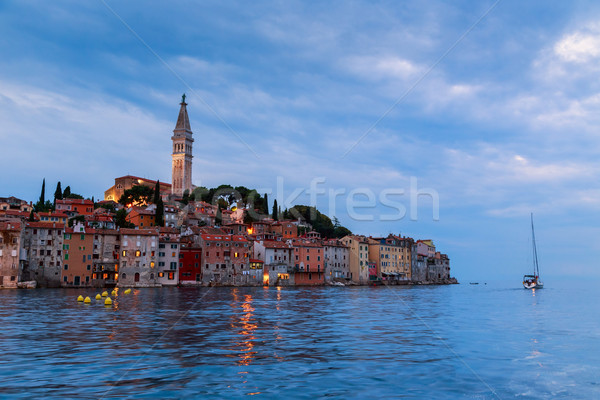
139, 258
11, 263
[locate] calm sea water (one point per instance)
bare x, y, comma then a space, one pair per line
460, 341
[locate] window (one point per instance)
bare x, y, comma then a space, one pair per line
66, 256
173, 246
161, 274
123, 276
124, 253
161, 246
151, 264
66, 267
171, 276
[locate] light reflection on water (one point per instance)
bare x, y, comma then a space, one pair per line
301, 342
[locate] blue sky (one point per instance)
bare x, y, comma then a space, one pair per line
504, 125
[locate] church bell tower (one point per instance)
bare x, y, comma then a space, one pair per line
182, 152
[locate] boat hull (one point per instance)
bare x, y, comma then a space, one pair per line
533, 285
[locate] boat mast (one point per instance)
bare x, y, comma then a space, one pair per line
536, 268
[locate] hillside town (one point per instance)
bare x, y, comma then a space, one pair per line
146, 233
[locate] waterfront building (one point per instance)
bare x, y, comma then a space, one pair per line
277, 259
308, 262
359, 258
105, 266
226, 259
438, 268
168, 256
78, 248
43, 242
73, 207
190, 264
11, 256
138, 260
426, 248
182, 152
337, 260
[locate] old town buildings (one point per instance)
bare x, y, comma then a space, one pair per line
82, 243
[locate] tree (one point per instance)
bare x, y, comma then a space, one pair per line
42, 204
121, 219
266, 205
31, 218
219, 216
137, 195
186, 197
67, 192
275, 211
160, 212
156, 192
43, 194
57, 194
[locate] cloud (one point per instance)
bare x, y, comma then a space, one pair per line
579, 47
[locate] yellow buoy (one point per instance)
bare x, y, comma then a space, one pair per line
104, 294
113, 293
87, 300
98, 297
108, 302
127, 291
80, 298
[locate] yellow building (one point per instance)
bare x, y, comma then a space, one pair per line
392, 256
359, 257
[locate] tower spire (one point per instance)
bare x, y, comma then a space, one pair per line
182, 152
183, 121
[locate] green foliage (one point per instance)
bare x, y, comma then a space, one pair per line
186, 197
160, 212
156, 192
275, 213
219, 216
266, 205
137, 195
321, 223
42, 199
57, 194
121, 219
75, 196
31, 217
67, 192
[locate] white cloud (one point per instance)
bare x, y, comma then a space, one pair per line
578, 47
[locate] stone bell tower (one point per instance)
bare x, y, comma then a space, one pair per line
182, 152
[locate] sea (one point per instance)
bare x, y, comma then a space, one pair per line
485, 341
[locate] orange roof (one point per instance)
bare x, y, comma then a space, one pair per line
14, 225
273, 244
139, 232
53, 214
46, 224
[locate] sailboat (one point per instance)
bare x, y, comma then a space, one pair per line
533, 281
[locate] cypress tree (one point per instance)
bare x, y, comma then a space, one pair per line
160, 212
266, 205
156, 192
43, 194
67, 192
31, 219
57, 193
275, 210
